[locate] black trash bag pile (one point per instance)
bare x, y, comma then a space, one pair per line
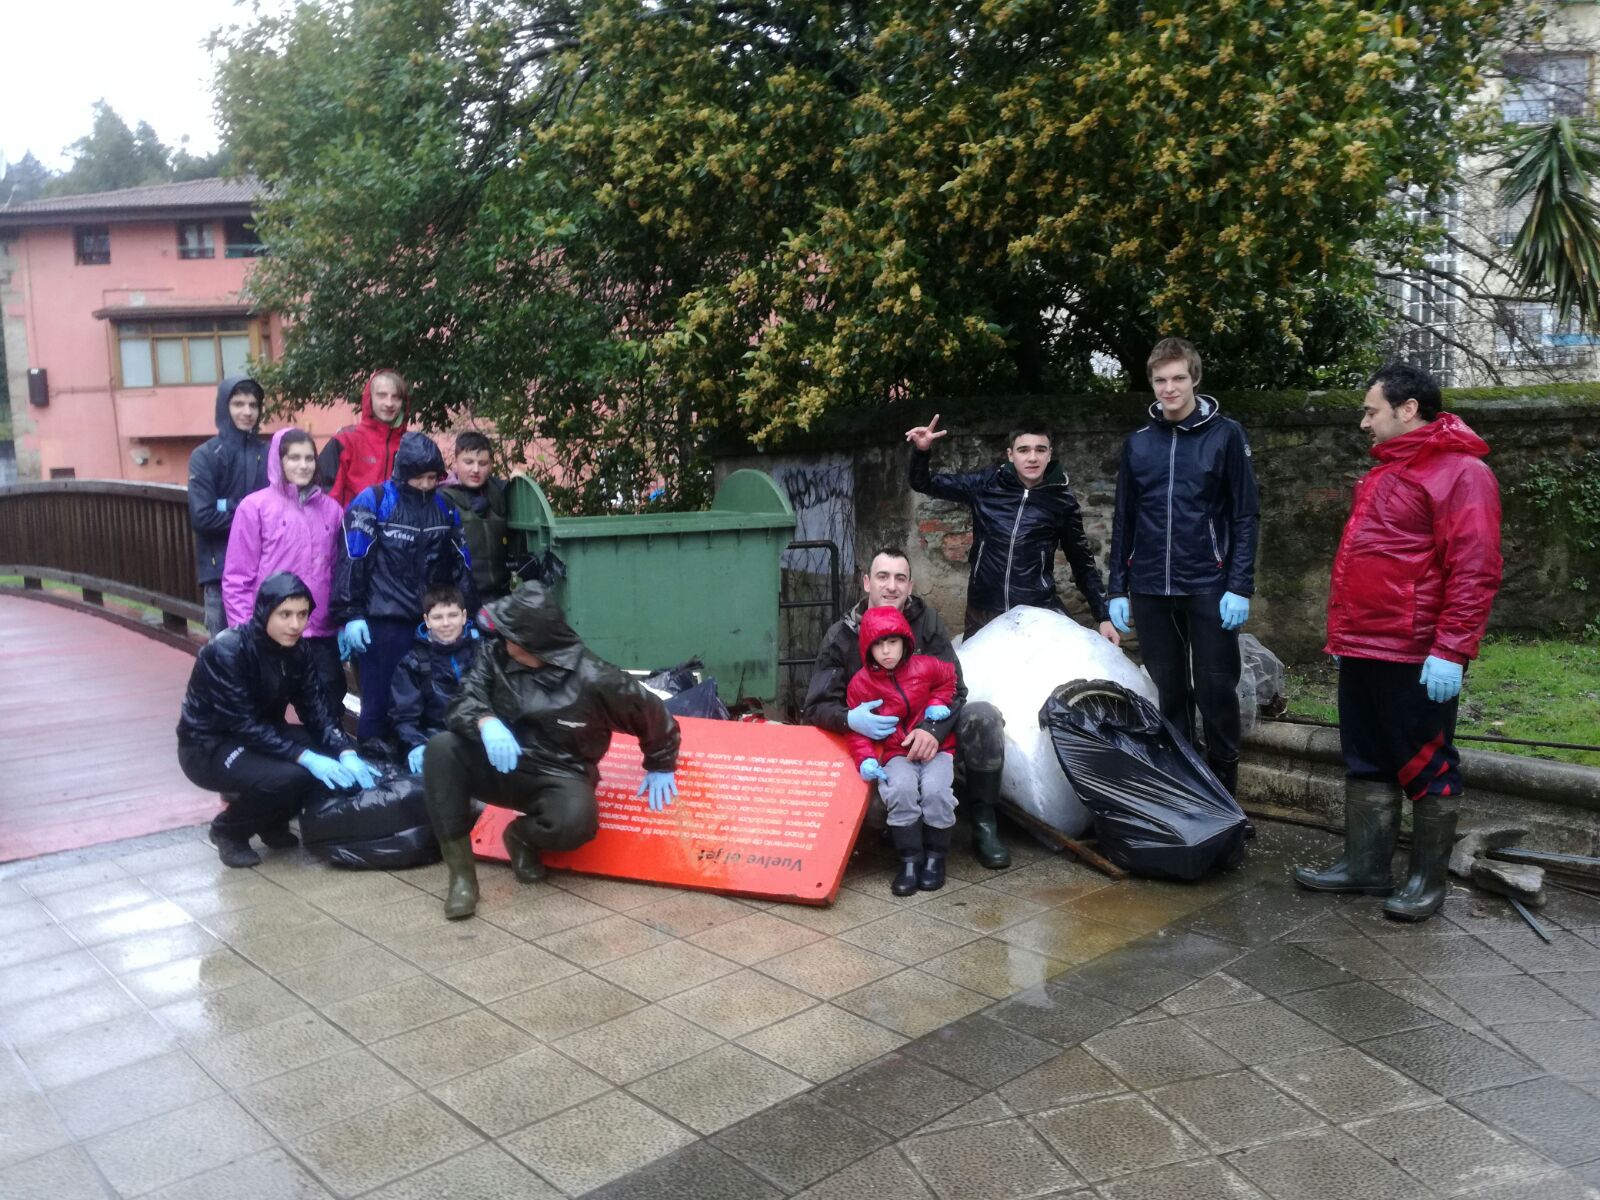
380, 828
685, 697
1158, 810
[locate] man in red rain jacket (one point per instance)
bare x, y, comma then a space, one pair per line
1416, 574
360, 456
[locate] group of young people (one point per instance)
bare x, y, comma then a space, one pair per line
1416, 574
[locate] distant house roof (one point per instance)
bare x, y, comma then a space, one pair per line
225, 197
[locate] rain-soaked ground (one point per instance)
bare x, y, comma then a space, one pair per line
176, 1029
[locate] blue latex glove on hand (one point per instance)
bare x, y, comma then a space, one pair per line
222, 504
357, 637
1235, 610
935, 712
499, 745
1120, 614
662, 787
1442, 678
360, 770
414, 760
330, 772
871, 771
868, 723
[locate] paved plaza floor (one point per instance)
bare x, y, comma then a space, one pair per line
175, 1029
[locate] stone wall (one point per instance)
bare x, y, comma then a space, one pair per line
848, 482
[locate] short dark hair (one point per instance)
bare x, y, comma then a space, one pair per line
251, 388
442, 593
1401, 382
473, 440
1023, 431
891, 551
293, 437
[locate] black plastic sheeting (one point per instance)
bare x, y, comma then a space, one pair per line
1158, 810
685, 697
381, 828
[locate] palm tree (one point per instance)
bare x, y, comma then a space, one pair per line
1555, 166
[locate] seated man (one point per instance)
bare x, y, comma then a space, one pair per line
528, 731
429, 677
979, 728
232, 736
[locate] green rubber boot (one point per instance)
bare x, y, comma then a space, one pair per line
1371, 826
525, 863
1433, 833
462, 899
983, 793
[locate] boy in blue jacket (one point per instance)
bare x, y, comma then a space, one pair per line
428, 677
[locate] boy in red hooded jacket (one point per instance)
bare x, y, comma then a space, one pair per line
360, 456
920, 798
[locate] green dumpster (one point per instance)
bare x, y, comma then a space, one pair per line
652, 590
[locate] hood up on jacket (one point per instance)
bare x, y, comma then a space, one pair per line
884, 622
1206, 409
1445, 434
532, 619
285, 585
418, 454
401, 421
225, 391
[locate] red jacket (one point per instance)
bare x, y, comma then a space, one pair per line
1419, 564
364, 452
906, 692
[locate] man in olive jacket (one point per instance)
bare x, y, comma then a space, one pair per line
528, 731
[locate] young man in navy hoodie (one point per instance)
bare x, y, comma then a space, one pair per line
222, 472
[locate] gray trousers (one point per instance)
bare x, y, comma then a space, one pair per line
920, 791
980, 746
216, 619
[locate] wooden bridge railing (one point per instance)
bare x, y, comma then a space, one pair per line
104, 537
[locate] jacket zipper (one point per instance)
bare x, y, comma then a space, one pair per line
894, 678
1011, 548
1172, 466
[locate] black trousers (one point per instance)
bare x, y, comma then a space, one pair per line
390, 640
263, 791
561, 809
1194, 661
330, 671
1390, 732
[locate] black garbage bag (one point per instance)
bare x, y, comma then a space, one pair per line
380, 828
701, 700
673, 680
1158, 810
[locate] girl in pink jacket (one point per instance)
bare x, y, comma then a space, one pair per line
289, 525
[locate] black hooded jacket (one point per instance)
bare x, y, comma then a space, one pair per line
562, 713
398, 542
227, 467
243, 681
1015, 532
485, 523
1187, 515
428, 678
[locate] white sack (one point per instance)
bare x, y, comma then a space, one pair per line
1014, 663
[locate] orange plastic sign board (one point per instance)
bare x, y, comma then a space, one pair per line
762, 810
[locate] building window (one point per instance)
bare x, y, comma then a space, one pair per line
1428, 305
194, 240
240, 239
92, 245
1528, 335
1541, 87
63, 472
173, 353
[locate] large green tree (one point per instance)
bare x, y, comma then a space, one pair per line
621, 225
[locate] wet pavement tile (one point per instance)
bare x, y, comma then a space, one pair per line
1451, 954
739, 1003
386, 1012
163, 1149
384, 1143
798, 1142
896, 1094
1449, 1061
1123, 982
882, 1173
1361, 956
696, 1172
751, 939
995, 968
604, 940
1325, 1165
486, 1172
1357, 1011
665, 970
1158, 1052
132, 1093
1215, 991
1554, 1117
716, 1089
637, 1044
517, 1091
505, 973
1448, 1150
912, 1002
1580, 987
1234, 1111
1003, 1161
1345, 1084
566, 1006
62, 1174
1208, 1179
1058, 1014
1276, 970
567, 1150
1258, 1033
1114, 1136
1570, 1049
822, 1042
434, 1053
313, 1096
909, 937
981, 1051
1069, 1078
1565, 951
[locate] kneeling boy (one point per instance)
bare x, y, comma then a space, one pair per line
429, 677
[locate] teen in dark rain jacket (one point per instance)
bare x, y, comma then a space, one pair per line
362, 455
425, 683
223, 471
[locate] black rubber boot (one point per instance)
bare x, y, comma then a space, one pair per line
1227, 773
278, 837
1433, 833
908, 845
936, 844
983, 793
462, 899
1371, 825
234, 851
524, 854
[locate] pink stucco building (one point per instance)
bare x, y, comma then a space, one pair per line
121, 311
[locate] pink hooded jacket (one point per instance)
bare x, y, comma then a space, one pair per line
276, 530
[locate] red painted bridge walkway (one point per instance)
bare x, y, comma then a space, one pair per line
88, 749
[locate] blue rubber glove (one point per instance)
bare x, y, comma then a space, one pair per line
1235, 610
936, 712
222, 504
1120, 615
662, 786
1442, 678
330, 772
871, 771
357, 637
499, 745
414, 760
869, 724
360, 770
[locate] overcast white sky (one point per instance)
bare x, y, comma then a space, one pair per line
146, 59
